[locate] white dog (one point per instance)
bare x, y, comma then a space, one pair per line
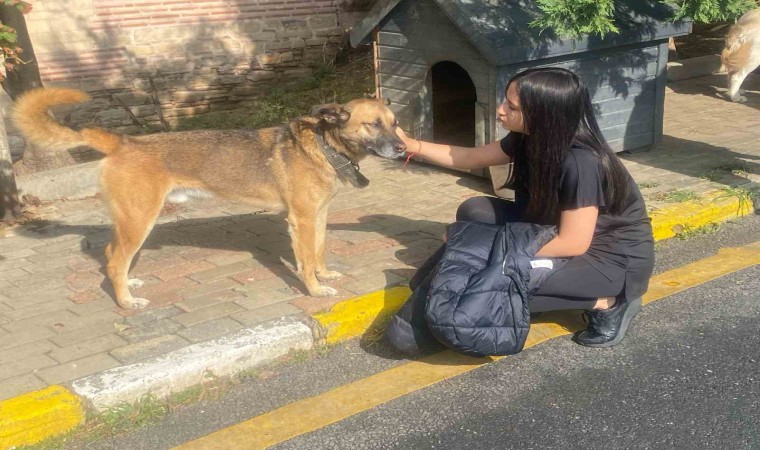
742, 52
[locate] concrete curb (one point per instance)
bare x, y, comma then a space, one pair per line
355, 316
260, 345
73, 182
36, 416
693, 67
188, 366
715, 207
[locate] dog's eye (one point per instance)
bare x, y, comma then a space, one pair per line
376, 124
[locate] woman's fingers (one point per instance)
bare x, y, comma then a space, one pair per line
400, 133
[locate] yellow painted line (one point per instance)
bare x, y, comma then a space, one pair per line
354, 317
728, 260
32, 417
715, 207
317, 412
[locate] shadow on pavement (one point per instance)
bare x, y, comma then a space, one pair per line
715, 85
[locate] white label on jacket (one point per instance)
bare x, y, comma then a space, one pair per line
542, 263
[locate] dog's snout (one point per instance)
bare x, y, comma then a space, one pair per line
399, 147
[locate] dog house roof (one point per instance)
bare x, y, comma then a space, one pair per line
501, 31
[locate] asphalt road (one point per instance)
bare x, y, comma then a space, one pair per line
687, 376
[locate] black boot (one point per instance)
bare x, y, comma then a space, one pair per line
607, 327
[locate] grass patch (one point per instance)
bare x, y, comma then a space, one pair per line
737, 168
190, 395
121, 418
375, 334
710, 175
148, 409
124, 417
301, 356
679, 196
328, 83
294, 356
53, 443
297, 356
690, 232
648, 185
747, 197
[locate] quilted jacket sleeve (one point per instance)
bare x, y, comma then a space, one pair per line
478, 298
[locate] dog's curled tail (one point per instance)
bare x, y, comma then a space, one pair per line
30, 116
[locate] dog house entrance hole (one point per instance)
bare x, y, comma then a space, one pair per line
454, 105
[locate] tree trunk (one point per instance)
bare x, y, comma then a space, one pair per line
10, 205
23, 77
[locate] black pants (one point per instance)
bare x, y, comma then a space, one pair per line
575, 285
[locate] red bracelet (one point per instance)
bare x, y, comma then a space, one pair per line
419, 151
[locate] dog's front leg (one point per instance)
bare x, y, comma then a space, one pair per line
302, 227
322, 273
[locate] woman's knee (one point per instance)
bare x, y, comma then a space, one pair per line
476, 209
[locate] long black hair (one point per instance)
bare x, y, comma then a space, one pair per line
558, 114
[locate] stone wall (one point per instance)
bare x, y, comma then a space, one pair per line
142, 60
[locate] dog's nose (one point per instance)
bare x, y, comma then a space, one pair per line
400, 147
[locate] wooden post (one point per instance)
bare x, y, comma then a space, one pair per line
375, 55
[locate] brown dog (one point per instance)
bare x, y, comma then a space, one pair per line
297, 167
742, 52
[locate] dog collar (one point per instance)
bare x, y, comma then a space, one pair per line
346, 169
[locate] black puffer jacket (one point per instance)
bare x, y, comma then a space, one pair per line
476, 299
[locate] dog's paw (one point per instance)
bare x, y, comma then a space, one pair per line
324, 291
135, 283
134, 303
739, 99
329, 275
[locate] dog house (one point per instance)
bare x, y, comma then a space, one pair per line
443, 64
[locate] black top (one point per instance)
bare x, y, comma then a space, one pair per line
622, 244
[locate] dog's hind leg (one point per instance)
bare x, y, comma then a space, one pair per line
134, 213
133, 283
131, 228
321, 229
302, 227
735, 80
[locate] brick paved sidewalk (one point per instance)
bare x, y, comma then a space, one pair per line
212, 267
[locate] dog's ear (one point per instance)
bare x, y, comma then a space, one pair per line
332, 113
384, 101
